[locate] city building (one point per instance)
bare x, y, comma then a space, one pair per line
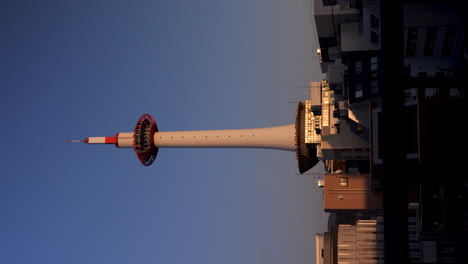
351, 192
359, 242
400, 70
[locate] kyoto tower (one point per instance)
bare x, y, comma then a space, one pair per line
146, 140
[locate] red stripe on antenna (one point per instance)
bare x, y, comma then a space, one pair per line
111, 140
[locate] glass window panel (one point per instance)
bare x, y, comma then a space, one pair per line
358, 66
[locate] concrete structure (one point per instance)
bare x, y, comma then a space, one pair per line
360, 242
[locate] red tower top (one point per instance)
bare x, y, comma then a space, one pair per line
141, 140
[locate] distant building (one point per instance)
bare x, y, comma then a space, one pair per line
424, 84
340, 132
329, 15
360, 242
350, 192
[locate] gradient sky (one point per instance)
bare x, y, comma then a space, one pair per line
73, 69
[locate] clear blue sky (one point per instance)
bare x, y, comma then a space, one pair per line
73, 69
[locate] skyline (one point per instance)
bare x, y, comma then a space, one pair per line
72, 70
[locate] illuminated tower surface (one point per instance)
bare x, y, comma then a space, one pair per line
146, 140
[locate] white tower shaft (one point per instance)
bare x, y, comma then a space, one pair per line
146, 140
280, 137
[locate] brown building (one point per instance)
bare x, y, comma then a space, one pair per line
343, 191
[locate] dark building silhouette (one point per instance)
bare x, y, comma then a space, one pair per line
401, 67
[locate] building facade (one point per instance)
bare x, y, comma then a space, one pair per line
350, 192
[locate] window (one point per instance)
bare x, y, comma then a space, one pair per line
411, 94
411, 42
422, 74
358, 92
374, 63
456, 93
374, 23
430, 41
432, 92
358, 67
374, 37
374, 86
343, 181
449, 39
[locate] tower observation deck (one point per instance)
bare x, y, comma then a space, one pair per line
146, 139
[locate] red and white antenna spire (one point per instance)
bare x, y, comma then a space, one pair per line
96, 140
